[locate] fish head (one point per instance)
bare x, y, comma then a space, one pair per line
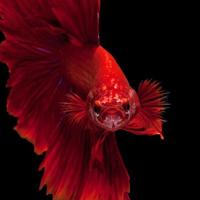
112, 110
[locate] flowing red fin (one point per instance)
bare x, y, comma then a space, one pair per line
49, 20
74, 109
81, 21
66, 162
34, 25
148, 120
37, 84
152, 98
34, 77
69, 175
107, 179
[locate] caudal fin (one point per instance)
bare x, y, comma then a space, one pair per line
107, 178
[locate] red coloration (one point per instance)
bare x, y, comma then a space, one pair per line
70, 95
148, 119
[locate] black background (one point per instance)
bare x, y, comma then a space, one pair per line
149, 40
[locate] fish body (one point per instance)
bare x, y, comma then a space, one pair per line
70, 96
100, 79
95, 64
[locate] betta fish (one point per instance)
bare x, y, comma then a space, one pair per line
70, 96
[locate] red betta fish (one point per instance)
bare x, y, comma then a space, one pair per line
70, 96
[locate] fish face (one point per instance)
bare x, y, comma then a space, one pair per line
111, 112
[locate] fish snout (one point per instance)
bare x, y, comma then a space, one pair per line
111, 119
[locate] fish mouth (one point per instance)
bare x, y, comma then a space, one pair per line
111, 119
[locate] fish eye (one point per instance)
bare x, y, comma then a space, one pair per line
97, 109
126, 106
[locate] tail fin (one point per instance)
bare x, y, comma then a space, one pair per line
68, 173
109, 176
